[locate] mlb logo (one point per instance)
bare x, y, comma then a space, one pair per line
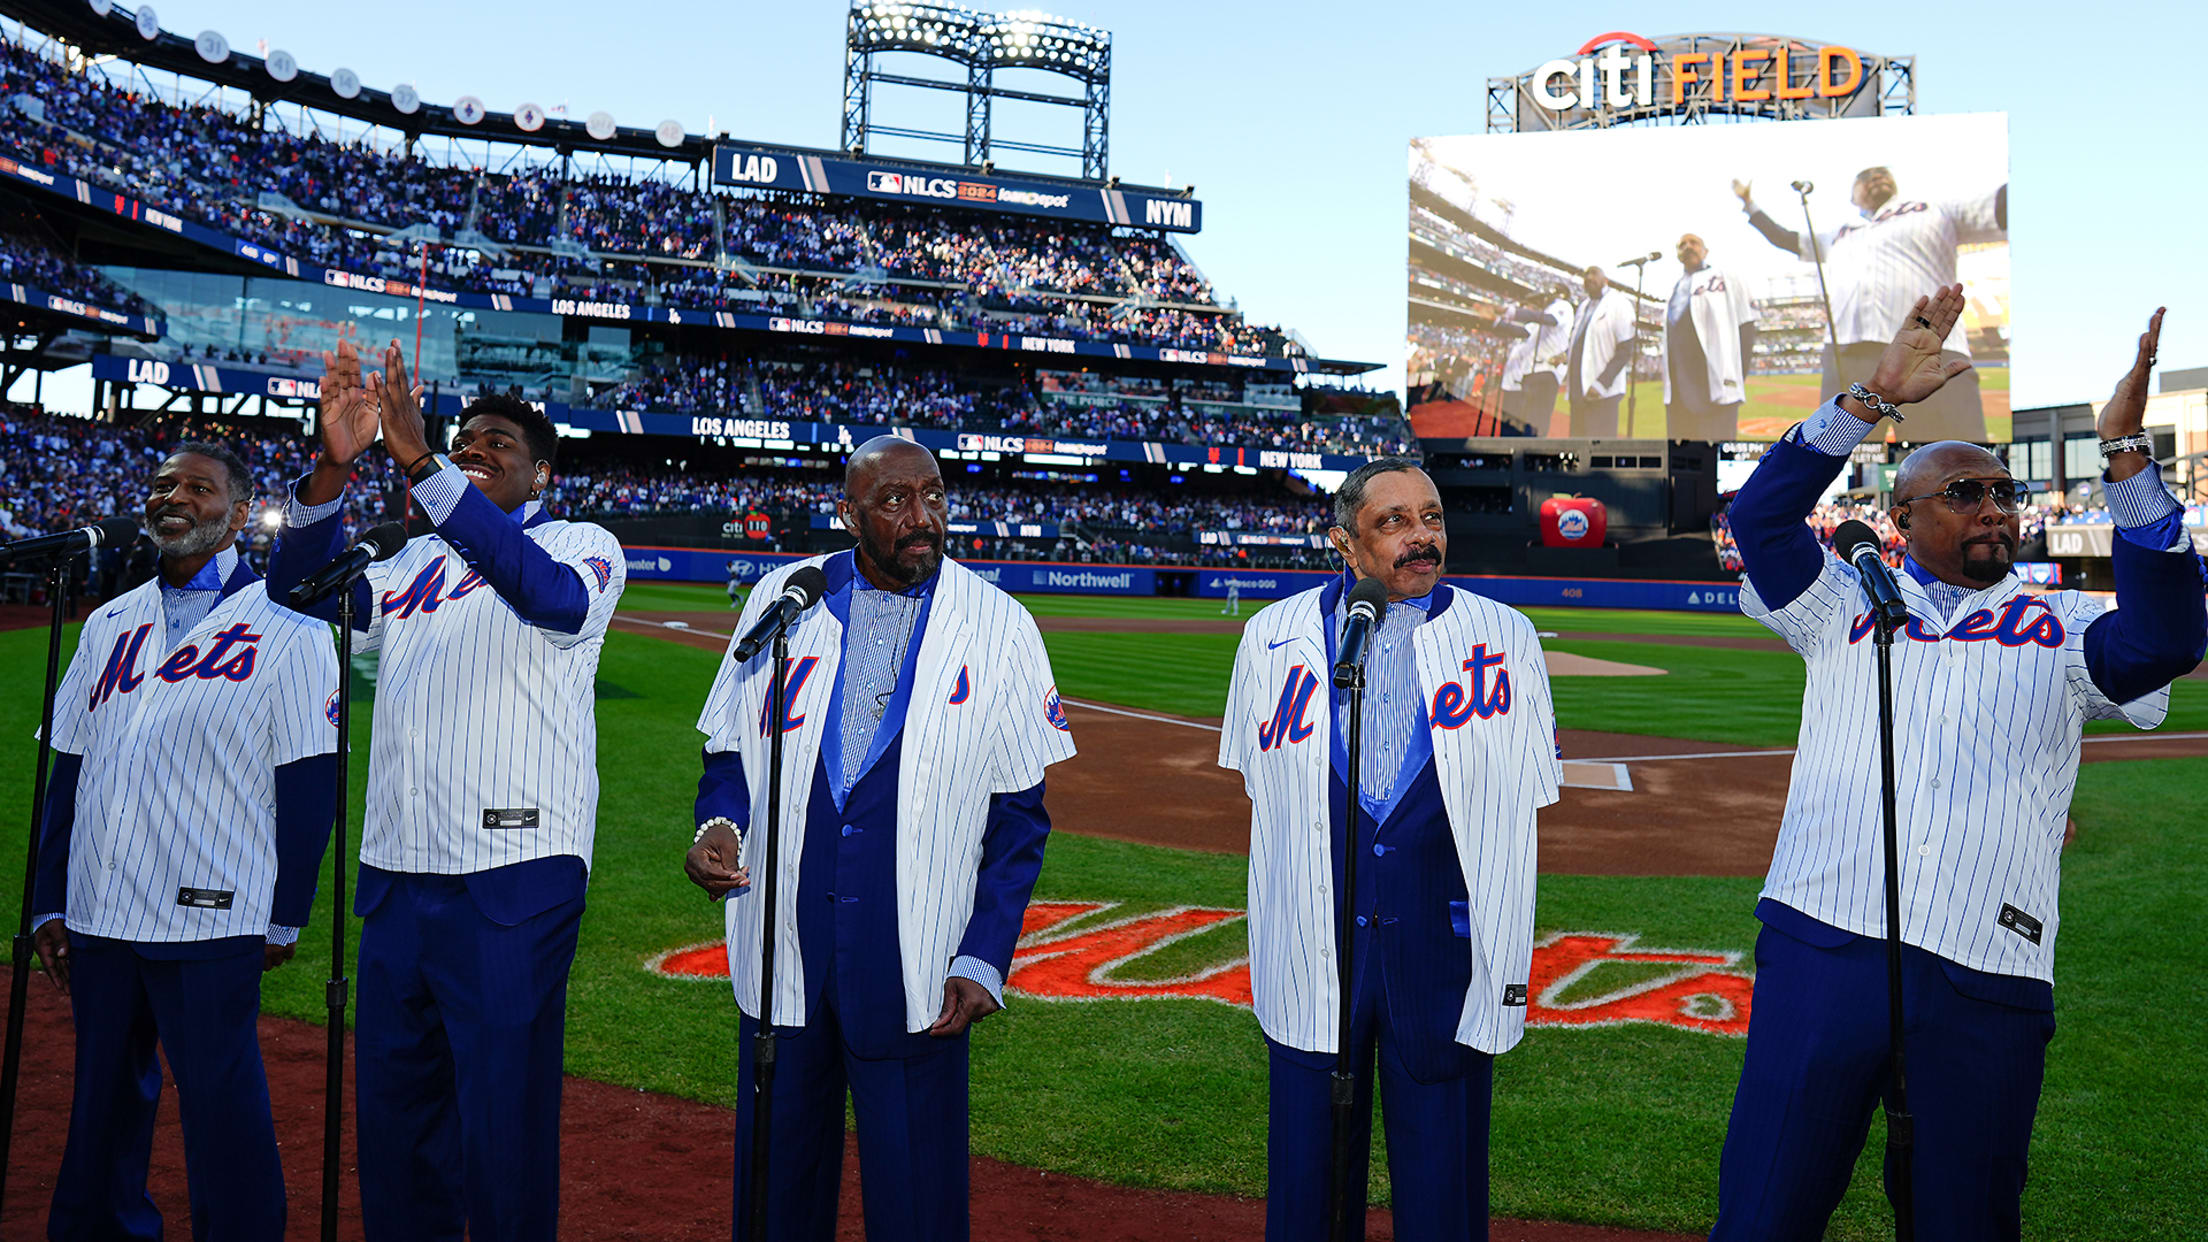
885, 182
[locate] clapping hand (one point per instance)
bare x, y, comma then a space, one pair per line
350, 414
405, 435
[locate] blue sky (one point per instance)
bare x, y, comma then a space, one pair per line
1291, 120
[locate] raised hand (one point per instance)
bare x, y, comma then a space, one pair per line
1740, 188
350, 416
405, 435
2126, 411
1912, 368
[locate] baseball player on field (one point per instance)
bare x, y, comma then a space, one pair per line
1459, 751
1876, 265
1708, 344
185, 822
482, 803
1600, 357
1993, 685
921, 716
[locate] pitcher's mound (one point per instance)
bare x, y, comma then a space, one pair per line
1565, 664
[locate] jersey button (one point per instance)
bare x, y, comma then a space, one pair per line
1935, 782
1924, 851
848, 829
415, 792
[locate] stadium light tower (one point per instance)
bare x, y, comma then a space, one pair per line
983, 43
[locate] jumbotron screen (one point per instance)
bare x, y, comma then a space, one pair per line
1704, 282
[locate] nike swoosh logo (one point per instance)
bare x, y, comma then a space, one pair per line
1282, 643
114, 612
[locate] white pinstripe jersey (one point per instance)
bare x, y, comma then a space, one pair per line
178, 785
1487, 704
479, 712
983, 718
1988, 710
1880, 266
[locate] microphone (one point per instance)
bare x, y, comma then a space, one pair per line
1650, 257
114, 532
1859, 546
800, 591
1367, 600
1803, 187
381, 543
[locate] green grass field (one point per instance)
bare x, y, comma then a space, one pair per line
1776, 402
1617, 1125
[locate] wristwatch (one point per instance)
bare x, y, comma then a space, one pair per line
1871, 400
2136, 442
427, 465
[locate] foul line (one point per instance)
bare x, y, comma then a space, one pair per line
1121, 711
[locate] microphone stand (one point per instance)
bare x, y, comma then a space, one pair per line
762, 1057
336, 991
1900, 1123
1817, 253
1633, 359
21, 955
1343, 1194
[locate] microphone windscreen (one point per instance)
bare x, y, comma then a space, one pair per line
385, 540
116, 532
1369, 593
1852, 535
809, 580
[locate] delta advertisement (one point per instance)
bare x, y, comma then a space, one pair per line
783, 168
1701, 282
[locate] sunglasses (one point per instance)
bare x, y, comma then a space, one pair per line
1965, 495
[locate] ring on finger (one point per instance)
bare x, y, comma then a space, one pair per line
1922, 322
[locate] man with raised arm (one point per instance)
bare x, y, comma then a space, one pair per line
482, 802
1993, 686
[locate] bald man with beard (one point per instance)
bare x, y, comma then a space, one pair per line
1709, 347
920, 718
1993, 685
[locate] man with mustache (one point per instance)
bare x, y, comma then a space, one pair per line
921, 715
1459, 750
185, 824
1708, 346
1993, 685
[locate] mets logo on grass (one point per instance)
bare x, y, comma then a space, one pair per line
1091, 951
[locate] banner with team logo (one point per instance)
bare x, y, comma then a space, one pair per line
1701, 282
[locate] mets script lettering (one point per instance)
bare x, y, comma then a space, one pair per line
1458, 702
2021, 622
1291, 721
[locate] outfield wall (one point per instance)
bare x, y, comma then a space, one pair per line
1062, 578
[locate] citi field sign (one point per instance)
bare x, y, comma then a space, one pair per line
1619, 76
1622, 74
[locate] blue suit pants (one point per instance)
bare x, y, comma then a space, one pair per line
1817, 1064
459, 1042
1437, 1133
912, 1137
202, 1010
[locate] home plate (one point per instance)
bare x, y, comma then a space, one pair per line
1565, 664
1581, 774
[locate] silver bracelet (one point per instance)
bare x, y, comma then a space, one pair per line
719, 821
1885, 408
2136, 442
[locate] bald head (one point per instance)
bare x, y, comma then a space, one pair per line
878, 452
1691, 251
1934, 466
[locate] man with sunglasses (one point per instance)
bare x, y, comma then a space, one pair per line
1993, 686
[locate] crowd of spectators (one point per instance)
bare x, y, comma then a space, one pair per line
29, 260
1073, 405
59, 472
207, 163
